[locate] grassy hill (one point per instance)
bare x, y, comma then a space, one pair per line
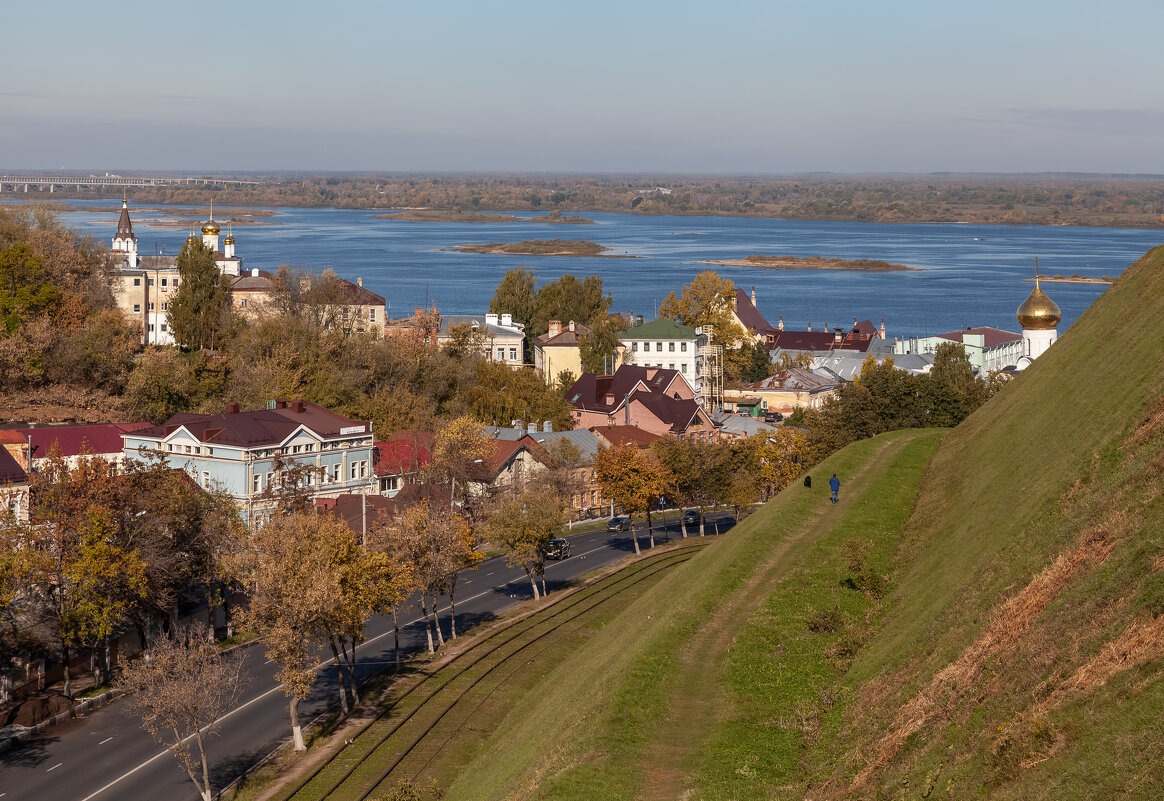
981, 616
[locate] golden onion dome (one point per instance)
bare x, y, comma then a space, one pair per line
211, 227
1038, 312
229, 240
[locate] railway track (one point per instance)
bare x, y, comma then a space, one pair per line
414, 729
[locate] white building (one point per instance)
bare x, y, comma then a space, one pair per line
667, 345
989, 349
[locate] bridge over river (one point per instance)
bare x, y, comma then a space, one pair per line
50, 183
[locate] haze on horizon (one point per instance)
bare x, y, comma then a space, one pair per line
744, 87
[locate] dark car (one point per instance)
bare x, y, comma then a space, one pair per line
773, 417
557, 548
619, 524
690, 517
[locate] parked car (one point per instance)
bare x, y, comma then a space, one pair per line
619, 524
691, 517
557, 548
773, 417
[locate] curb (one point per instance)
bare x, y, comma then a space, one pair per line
28, 733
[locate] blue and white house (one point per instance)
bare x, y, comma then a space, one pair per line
236, 451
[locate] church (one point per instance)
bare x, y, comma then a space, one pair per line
145, 285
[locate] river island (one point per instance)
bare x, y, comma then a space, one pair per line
1073, 279
811, 263
542, 247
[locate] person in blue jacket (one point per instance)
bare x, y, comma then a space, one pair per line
835, 486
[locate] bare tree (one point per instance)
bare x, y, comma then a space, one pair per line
180, 692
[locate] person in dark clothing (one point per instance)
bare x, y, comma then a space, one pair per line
835, 486
808, 481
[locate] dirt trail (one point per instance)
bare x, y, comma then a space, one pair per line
698, 699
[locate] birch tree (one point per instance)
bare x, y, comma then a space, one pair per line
523, 525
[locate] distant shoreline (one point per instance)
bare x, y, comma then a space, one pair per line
427, 215
542, 247
1073, 279
811, 263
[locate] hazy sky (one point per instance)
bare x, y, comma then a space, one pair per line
636, 85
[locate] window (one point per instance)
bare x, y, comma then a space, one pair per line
513, 354
151, 328
175, 284
257, 482
163, 328
206, 479
658, 347
371, 315
189, 449
683, 346
363, 469
671, 347
634, 347
137, 282
165, 307
683, 367
165, 283
335, 472
671, 366
243, 303
353, 468
151, 305
501, 354
137, 308
270, 480
150, 282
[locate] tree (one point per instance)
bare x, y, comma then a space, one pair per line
391, 579
502, 394
416, 544
599, 349
199, 313
296, 574
569, 299
523, 525
707, 301
515, 295
633, 479
180, 692
459, 447
747, 363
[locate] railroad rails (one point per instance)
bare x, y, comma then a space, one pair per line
415, 728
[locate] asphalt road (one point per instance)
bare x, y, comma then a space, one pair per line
106, 754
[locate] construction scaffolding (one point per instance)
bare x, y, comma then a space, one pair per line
710, 369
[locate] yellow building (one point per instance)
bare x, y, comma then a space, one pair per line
557, 350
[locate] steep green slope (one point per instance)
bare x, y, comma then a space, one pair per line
1017, 651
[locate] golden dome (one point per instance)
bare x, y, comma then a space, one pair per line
229, 240
210, 227
1038, 312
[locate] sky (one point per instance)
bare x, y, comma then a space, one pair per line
627, 86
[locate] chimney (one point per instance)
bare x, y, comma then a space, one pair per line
571, 325
360, 283
810, 325
652, 372
780, 325
254, 272
548, 426
280, 403
626, 409
753, 294
490, 319
519, 425
838, 336
555, 327
507, 320
232, 407
298, 406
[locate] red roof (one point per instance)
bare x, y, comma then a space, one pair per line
400, 455
625, 435
503, 451
101, 438
590, 391
859, 338
261, 427
749, 315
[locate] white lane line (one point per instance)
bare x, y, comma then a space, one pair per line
54, 767
256, 699
103, 742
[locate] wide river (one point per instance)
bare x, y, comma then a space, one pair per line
971, 274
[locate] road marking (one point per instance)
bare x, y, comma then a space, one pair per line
54, 767
256, 699
103, 742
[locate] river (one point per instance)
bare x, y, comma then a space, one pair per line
971, 274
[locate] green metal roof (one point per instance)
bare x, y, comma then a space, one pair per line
660, 328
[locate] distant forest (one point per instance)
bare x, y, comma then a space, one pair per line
1063, 199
